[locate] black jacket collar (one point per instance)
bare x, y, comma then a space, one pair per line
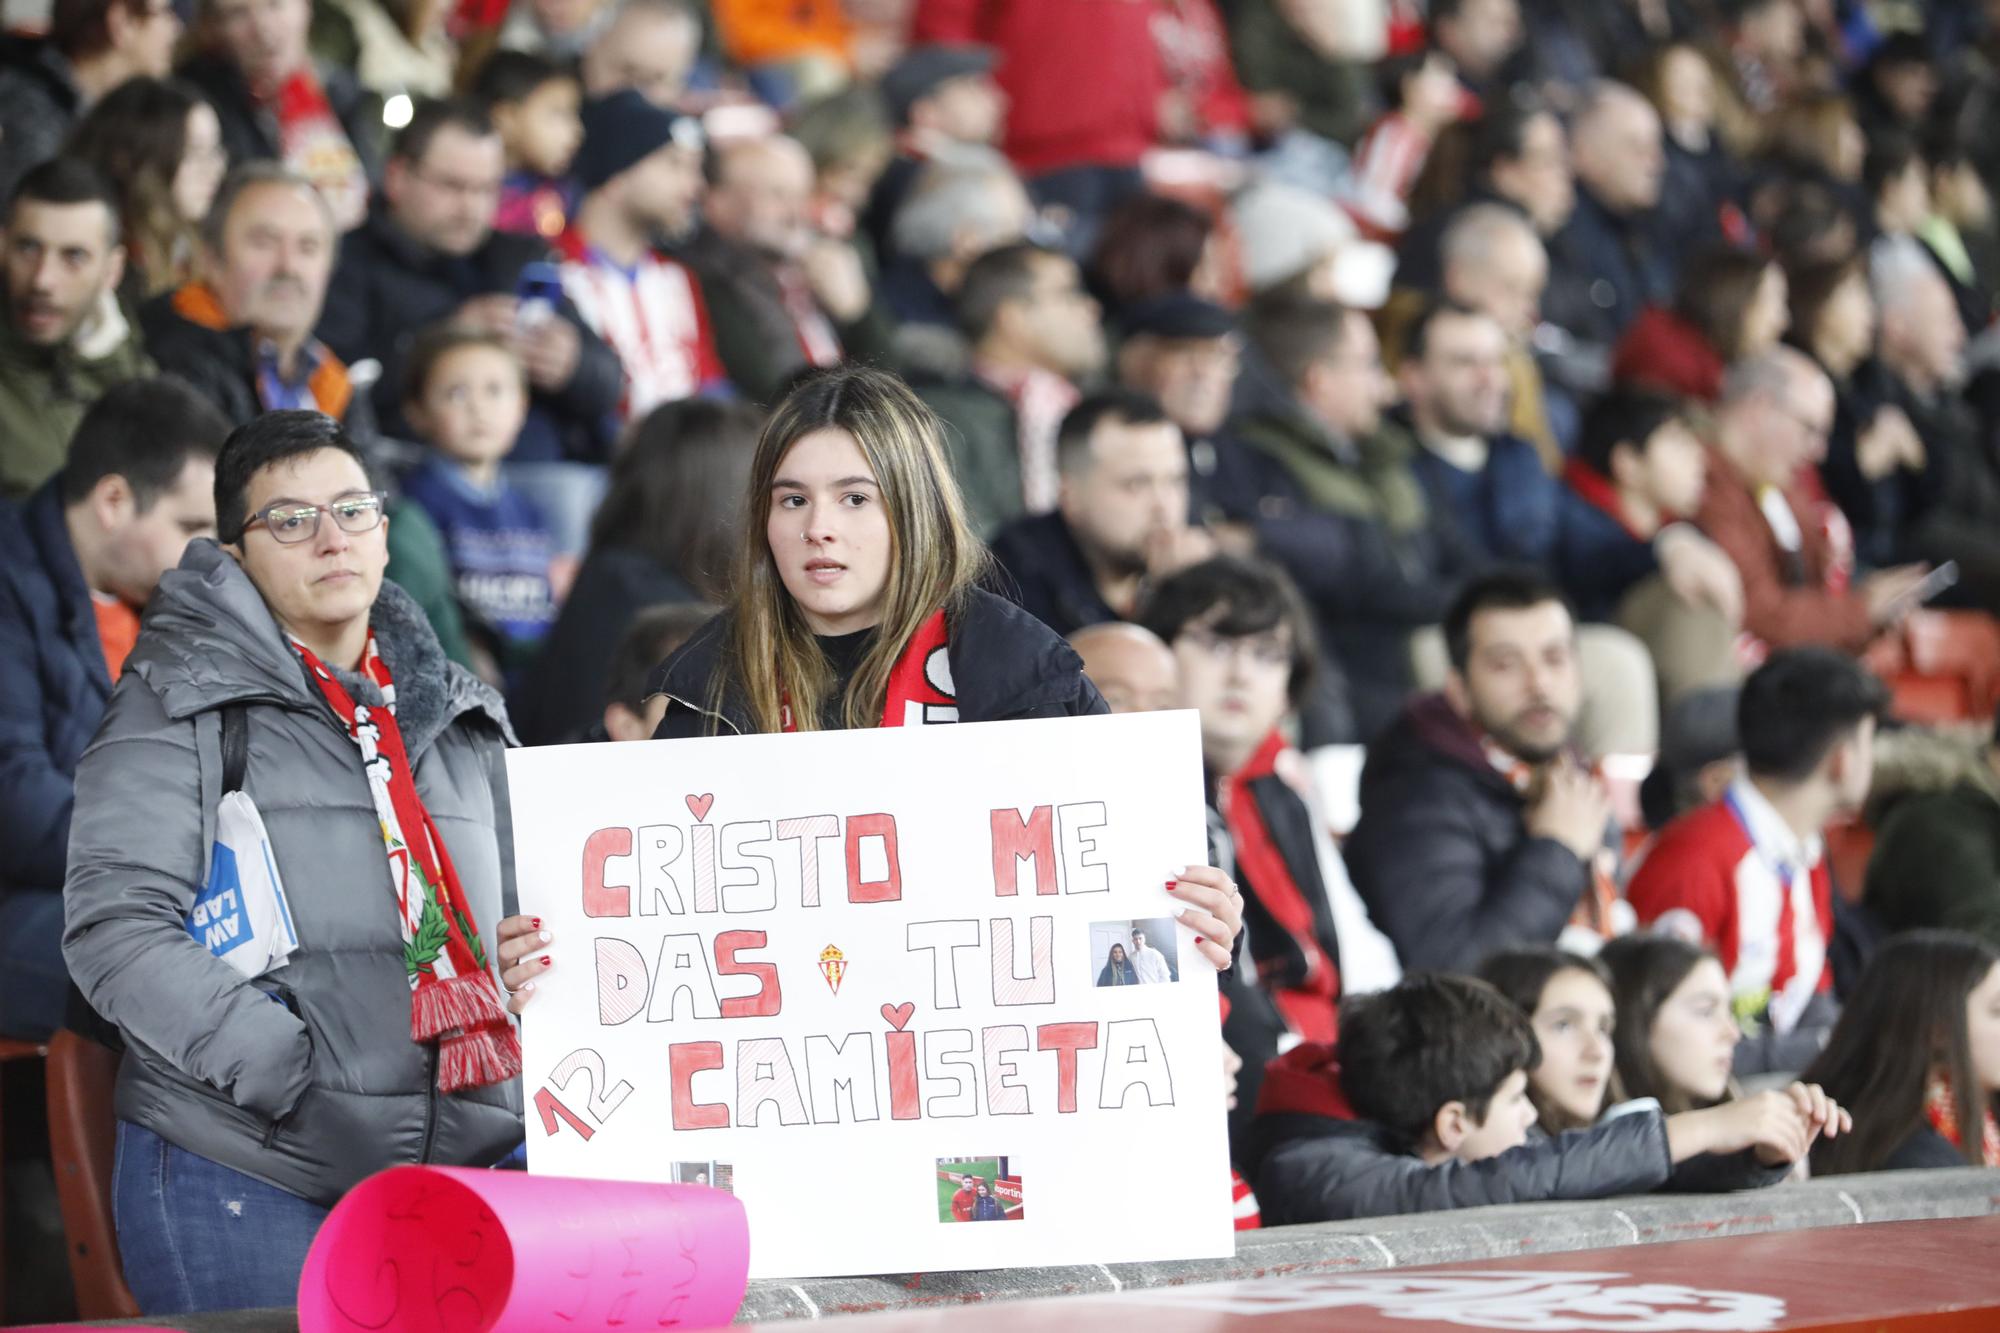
1004, 663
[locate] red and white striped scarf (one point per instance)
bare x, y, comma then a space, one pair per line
453, 998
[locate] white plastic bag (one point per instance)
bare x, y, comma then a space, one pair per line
241, 916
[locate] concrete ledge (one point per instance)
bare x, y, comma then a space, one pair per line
1468, 1235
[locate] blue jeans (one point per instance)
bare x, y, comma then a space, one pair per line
196, 1236
33, 1001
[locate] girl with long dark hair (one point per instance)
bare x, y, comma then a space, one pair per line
1916, 1054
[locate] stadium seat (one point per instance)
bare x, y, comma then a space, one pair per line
1961, 645
10, 1051
82, 1139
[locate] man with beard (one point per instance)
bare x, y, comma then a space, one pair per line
242, 333
640, 171
1121, 516
781, 296
1481, 827
64, 340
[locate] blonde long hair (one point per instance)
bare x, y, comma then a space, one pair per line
934, 556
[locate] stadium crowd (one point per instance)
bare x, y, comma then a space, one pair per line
1501, 388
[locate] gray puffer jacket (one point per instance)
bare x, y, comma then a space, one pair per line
307, 1078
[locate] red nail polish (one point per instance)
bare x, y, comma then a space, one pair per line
1198, 939
536, 923
1172, 884
546, 960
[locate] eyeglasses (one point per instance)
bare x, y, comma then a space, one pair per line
290, 522
1265, 650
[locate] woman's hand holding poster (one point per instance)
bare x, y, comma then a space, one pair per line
880, 984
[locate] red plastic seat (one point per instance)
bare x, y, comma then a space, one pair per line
82, 1142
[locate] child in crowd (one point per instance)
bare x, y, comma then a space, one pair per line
1677, 1029
1424, 97
534, 103
1424, 1105
630, 712
1918, 1049
467, 396
1569, 1001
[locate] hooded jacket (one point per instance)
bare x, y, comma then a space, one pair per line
1442, 854
1007, 667
53, 688
1353, 526
306, 1078
1317, 1163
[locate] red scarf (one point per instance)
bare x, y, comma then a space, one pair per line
1941, 1109
453, 998
1312, 1005
920, 685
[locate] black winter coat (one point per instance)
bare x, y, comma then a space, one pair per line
1442, 855
53, 689
1007, 667
39, 104
1320, 1169
387, 288
564, 692
1048, 575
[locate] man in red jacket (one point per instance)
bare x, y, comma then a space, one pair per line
1747, 876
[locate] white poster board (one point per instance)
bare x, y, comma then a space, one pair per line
854, 978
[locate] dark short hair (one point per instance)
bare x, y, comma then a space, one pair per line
1501, 134
1253, 597
1623, 416
261, 442
1150, 247
1430, 1039
1004, 274
676, 490
650, 639
144, 431
83, 27
1294, 333
434, 114
1500, 590
68, 180
1800, 704
1417, 341
514, 76
434, 344
1125, 407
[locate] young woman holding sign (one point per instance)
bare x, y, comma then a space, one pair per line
855, 602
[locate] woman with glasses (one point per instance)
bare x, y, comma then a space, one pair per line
279, 663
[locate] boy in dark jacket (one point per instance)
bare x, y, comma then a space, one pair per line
1424, 1106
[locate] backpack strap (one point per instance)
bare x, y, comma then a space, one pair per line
235, 746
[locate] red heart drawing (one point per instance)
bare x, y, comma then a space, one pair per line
698, 806
898, 1014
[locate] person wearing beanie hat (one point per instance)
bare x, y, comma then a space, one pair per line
640, 173
1185, 351
1291, 236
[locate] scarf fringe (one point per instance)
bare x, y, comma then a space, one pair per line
462, 1003
479, 1058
